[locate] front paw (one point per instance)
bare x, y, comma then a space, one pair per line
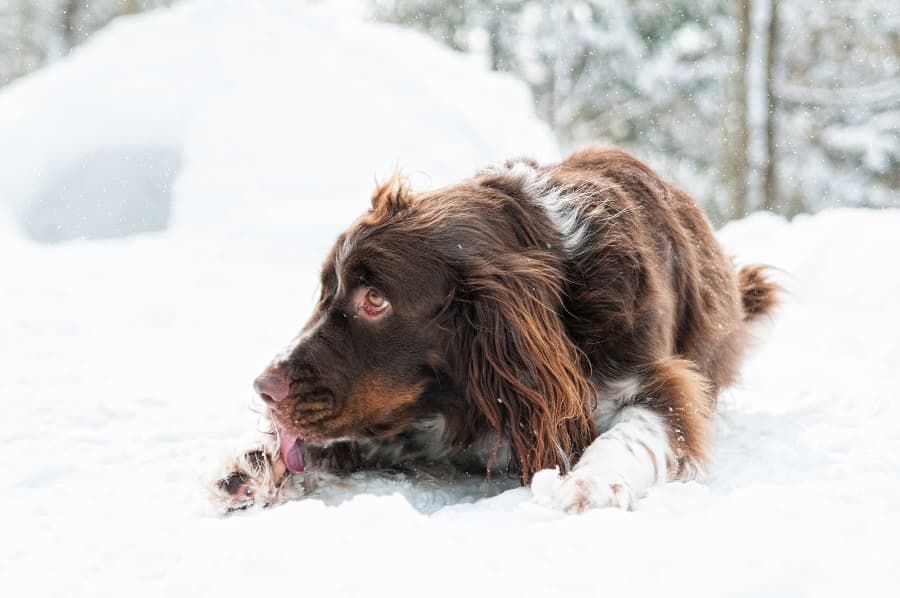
253, 478
581, 490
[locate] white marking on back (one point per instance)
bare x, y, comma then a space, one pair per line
558, 203
567, 207
561, 204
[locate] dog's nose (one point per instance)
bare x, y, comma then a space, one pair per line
271, 387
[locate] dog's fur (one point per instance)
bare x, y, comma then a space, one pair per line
578, 316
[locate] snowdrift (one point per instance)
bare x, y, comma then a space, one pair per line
215, 113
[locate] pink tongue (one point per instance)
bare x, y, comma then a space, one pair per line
290, 452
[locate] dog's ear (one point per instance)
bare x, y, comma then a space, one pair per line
391, 196
525, 376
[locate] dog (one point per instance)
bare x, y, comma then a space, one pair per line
579, 317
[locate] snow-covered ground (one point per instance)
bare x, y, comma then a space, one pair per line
126, 364
126, 370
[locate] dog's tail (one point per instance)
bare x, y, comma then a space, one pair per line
759, 295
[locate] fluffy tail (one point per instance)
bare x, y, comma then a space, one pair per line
759, 295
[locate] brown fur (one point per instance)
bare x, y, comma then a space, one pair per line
675, 391
375, 392
505, 333
523, 372
759, 295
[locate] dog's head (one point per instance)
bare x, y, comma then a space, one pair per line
439, 304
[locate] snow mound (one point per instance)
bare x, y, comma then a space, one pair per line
231, 117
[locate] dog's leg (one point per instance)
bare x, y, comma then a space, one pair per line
253, 477
616, 469
658, 433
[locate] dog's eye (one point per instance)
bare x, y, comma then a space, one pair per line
374, 303
375, 298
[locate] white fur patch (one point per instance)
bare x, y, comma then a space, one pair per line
622, 391
614, 395
266, 483
569, 209
345, 250
617, 468
558, 203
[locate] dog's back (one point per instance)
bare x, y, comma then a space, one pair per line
648, 279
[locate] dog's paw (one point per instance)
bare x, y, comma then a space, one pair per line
581, 490
253, 478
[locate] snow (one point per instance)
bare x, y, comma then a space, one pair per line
127, 362
126, 378
230, 96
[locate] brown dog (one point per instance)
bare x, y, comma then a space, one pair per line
579, 315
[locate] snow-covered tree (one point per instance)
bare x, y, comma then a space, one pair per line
788, 106
837, 86
34, 32
630, 72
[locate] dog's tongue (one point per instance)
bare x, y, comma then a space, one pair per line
290, 452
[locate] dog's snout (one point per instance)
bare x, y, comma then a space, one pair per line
271, 387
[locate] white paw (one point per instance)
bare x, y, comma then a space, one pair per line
253, 478
581, 490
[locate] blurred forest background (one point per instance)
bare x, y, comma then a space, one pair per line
786, 105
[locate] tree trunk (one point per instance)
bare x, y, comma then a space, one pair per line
770, 170
736, 159
69, 24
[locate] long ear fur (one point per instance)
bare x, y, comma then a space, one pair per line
525, 375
